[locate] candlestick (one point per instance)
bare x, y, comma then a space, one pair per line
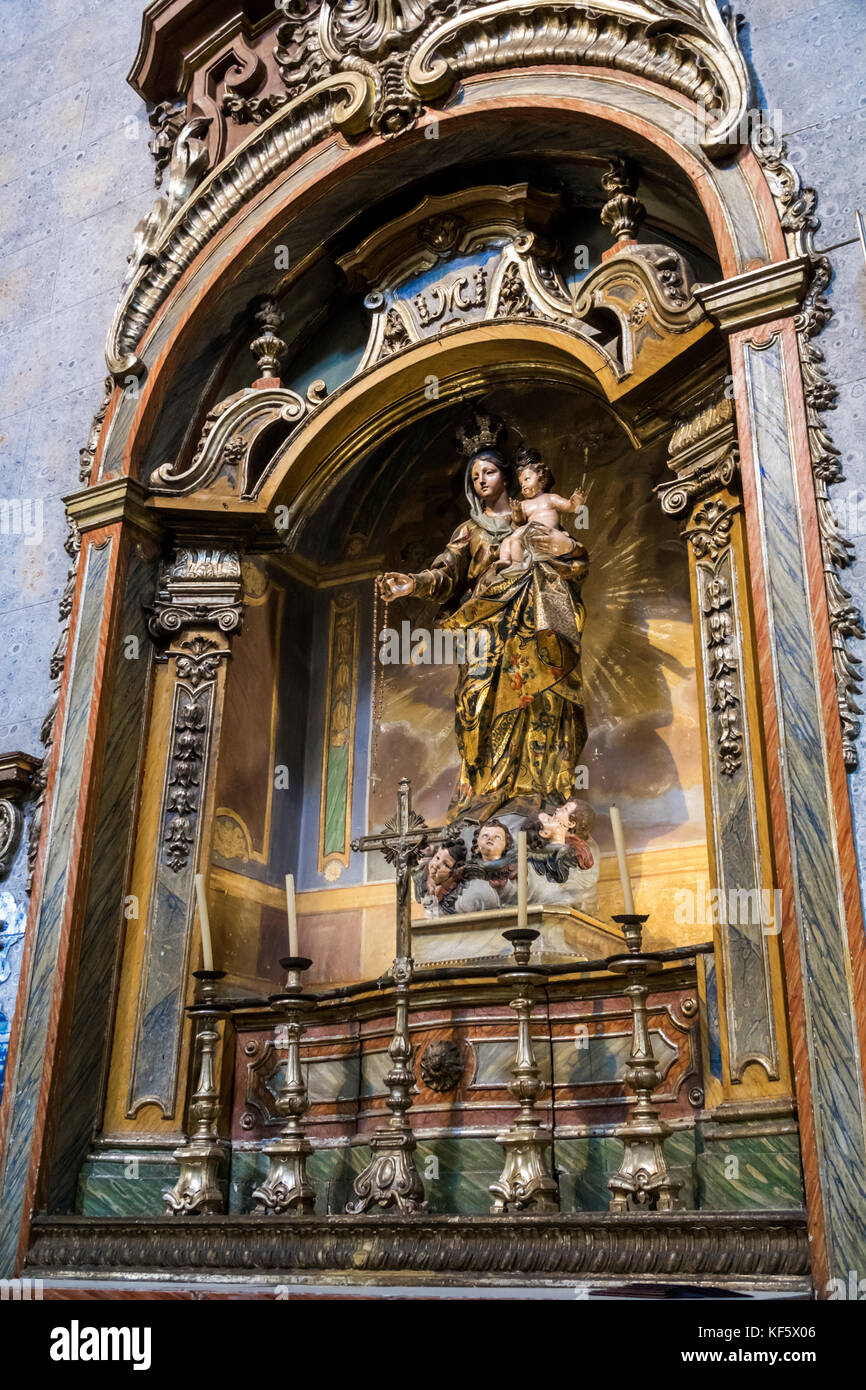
391, 1177
204, 920
293, 916
522, 881
619, 842
643, 1181
525, 1181
287, 1189
202, 1155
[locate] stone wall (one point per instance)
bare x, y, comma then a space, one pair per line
75, 177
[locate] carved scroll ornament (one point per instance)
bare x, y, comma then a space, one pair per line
796, 206
374, 65
437, 270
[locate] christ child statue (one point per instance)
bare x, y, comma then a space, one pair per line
537, 507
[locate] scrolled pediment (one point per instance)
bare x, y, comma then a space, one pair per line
337, 103
418, 51
682, 44
374, 66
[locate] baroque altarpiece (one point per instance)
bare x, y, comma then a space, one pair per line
451, 324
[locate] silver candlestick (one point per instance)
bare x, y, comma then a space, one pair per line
286, 1187
197, 1190
525, 1181
391, 1177
643, 1180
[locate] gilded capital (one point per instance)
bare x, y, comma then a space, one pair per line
702, 453
198, 587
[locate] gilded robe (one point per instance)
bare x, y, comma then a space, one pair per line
519, 714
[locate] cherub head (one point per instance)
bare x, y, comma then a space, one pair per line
578, 817
492, 840
554, 825
551, 829
445, 863
533, 474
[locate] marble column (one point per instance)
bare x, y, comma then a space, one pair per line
813, 847
76, 915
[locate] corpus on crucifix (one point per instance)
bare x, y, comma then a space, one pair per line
405, 835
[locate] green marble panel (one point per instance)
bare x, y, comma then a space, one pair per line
592, 1059
457, 1173
835, 1064
334, 1078
374, 1068
124, 1187
585, 1164
331, 1171
750, 1174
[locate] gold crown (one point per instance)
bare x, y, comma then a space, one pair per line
486, 433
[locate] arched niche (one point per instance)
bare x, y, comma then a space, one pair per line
764, 652
394, 504
268, 462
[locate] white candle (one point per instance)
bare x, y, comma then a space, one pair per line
204, 921
522, 880
293, 916
619, 841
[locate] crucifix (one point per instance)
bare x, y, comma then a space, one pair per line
391, 1177
405, 835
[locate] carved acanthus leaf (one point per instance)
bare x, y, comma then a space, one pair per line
800, 222
201, 587
187, 167
721, 657
166, 120
702, 453
88, 453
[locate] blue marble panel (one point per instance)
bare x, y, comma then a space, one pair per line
835, 1064
47, 929
714, 1037
104, 921
13, 921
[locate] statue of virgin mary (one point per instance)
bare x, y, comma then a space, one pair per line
519, 714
